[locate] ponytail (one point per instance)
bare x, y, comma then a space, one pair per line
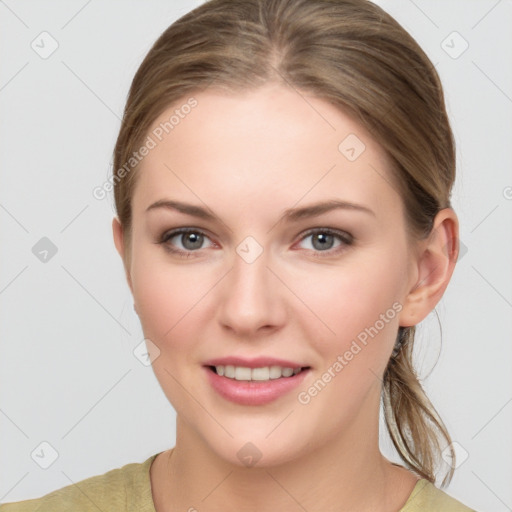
417, 431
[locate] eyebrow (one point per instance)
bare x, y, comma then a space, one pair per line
290, 214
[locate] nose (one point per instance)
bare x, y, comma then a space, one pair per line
250, 299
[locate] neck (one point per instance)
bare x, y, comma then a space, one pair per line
344, 474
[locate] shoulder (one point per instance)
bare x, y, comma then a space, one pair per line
119, 489
426, 497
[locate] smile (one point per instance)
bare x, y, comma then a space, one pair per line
254, 386
263, 373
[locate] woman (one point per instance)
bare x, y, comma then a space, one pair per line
282, 183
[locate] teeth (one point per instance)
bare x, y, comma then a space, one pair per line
260, 373
264, 373
242, 373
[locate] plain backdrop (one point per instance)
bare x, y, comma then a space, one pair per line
73, 396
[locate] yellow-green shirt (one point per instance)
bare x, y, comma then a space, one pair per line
128, 489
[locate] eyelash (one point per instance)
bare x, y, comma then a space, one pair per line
346, 239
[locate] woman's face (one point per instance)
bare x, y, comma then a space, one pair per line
262, 274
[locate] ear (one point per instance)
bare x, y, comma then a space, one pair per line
435, 261
117, 231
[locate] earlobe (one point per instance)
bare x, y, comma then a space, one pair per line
435, 265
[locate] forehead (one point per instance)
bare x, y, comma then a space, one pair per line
270, 142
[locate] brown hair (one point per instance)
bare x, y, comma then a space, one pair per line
354, 55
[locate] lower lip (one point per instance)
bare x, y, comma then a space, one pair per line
254, 392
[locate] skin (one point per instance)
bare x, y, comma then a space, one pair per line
247, 157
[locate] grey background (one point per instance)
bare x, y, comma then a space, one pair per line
68, 375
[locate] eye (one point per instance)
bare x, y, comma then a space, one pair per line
190, 240
323, 240
185, 241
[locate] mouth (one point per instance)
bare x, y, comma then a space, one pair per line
255, 385
258, 374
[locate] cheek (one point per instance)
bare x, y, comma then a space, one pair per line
171, 312
361, 304
166, 295
356, 301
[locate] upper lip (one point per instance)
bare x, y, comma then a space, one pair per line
256, 362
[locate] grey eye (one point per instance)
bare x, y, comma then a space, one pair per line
321, 241
191, 241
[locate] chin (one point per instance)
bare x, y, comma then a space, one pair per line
257, 452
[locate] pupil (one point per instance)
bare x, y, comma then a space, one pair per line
324, 238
